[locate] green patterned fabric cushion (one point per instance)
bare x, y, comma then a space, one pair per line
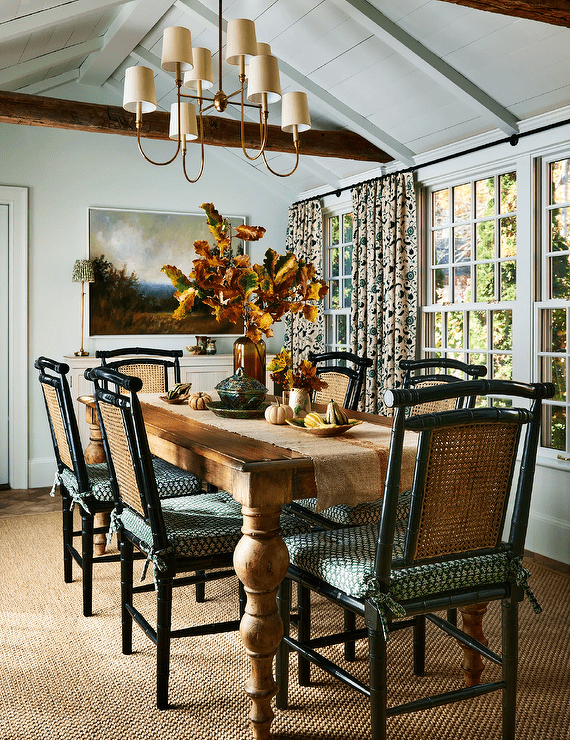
170, 481
365, 513
344, 558
199, 525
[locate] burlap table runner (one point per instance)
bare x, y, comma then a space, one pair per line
349, 469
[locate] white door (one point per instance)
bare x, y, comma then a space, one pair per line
4, 450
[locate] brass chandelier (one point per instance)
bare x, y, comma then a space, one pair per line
192, 68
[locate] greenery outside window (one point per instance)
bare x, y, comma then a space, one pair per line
552, 318
338, 275
471, 266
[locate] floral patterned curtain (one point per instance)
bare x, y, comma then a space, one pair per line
385, 281
305, 239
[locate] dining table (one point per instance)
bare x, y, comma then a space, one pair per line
264, 467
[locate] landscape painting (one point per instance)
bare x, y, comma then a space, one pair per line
130, 294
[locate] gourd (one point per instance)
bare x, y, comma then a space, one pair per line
199, 400
178, 390
278, 413
335, 414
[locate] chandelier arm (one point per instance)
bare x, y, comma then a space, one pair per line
284, 174
262, 132
201, 155
148, 159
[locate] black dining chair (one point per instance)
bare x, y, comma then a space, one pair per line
432, 371
195, 533
450, 552
152, 366
88, 484
344, 374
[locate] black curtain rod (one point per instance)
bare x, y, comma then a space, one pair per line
512, 140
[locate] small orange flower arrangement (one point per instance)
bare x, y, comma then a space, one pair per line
303, 376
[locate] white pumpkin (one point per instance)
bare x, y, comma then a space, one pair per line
199, 400
278, 413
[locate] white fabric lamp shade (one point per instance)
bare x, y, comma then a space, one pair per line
188, 125
261, 49
241, 41
263, 79
176, 49
139, 90
295, 112
202, 72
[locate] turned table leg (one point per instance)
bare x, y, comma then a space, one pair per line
261, 561
473, 626
95, 453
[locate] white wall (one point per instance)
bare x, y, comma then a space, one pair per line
67, 172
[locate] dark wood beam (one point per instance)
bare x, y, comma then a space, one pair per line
36, 110
555, 12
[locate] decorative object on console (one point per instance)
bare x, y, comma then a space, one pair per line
258, 295
211, 347
82, 273
194, 349
263, 88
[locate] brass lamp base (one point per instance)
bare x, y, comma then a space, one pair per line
81, 353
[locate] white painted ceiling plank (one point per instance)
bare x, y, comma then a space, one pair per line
20, 71
124, 34
64, 13
51, 83
424, 59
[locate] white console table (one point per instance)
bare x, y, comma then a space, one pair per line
203, 371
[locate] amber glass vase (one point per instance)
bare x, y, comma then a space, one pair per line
251, 357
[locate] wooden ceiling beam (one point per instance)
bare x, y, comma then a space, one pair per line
37, 110
555, 12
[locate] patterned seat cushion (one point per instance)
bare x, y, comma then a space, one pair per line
344, 558
200, 525
170, 481
365, 513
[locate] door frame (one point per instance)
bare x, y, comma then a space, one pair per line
16, 198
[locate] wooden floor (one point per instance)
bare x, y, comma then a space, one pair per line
16, 502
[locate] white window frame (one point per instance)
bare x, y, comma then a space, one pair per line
331, 343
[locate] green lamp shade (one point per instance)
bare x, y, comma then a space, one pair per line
83, 272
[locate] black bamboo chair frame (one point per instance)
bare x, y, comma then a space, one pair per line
145, 365
141, 496
68, 454
417, 550
345, 382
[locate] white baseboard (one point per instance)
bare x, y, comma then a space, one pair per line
548, 537
41, 472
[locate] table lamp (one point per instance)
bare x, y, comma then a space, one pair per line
82, 273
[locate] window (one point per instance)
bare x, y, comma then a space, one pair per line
338, 276
552, 312
472, 270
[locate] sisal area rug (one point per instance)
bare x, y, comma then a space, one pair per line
63, 676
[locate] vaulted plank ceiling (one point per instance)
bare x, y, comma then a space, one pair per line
405, 78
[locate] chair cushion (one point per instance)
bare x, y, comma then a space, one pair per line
200, 525
365, 513
170, 481
344, 558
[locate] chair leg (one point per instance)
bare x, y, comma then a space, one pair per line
510, 665
126, 550
282, 655
304, 633
452, 616
87, 562
67, 523
200, 589
349, 624
163, 625
378, 683
420, 645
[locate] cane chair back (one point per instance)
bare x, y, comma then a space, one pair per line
344, 374
456, 549
436, 371
153, 369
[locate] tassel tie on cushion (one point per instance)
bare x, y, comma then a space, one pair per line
58, 480
521, 576
382, 601
156, 557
